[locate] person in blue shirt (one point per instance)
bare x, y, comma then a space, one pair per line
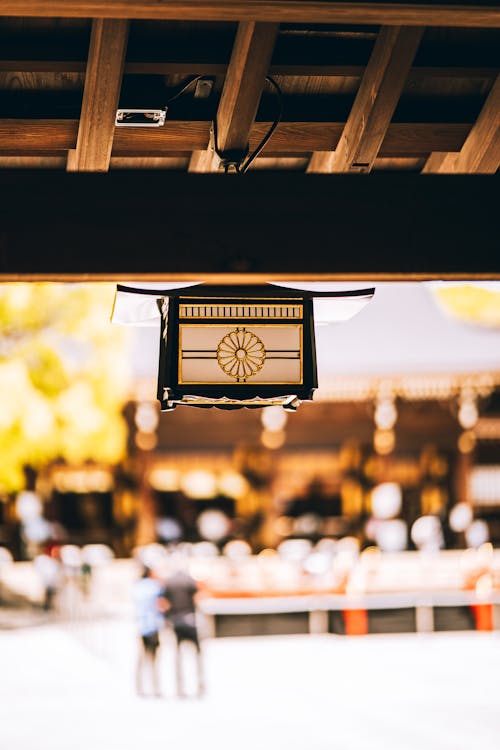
147, 596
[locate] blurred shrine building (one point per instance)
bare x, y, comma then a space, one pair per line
331, 143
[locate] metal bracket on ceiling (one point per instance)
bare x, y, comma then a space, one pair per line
140, 118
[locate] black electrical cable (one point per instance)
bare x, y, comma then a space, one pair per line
184, 88
244, 166
227, 158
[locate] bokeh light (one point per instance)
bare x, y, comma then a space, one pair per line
386, 500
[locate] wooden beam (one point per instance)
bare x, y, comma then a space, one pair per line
415, 13
103, 77
37, 137
52, 137
246, 74
144, 162
216, 68
32, 162
375, 103
410, 164
481, 150
225, 227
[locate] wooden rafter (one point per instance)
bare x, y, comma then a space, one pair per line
108, 42
411, 13
245, 78
439, 160
375, 103
481, 150
52, 137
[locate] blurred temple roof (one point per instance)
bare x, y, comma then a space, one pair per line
402, 331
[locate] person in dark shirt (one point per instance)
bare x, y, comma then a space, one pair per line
180, 592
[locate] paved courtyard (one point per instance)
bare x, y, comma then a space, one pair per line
70, 687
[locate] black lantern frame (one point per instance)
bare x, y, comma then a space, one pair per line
232, 347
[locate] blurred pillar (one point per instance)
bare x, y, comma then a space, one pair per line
463, 468
146, 517
483, 616
424, 618
318, 621
355, 621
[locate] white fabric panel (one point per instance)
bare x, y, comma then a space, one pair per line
132, 309
335, 309
141, 309
338, 309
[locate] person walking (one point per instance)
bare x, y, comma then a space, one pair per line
180, 592
147, 596
49, 568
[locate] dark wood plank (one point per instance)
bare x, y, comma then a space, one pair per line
159, 162
37, 137
245, 78
103, 77
481, 150
51, 137
215, 68
330, 226
42, 66
410, 164
375, 103
33, 162
292, 11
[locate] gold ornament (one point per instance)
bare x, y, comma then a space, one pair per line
241, 354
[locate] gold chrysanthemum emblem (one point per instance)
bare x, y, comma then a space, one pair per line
241, 354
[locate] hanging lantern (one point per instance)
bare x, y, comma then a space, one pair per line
234, 346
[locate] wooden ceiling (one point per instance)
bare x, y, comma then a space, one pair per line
407, 87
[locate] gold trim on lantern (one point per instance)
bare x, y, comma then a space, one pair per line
239, 311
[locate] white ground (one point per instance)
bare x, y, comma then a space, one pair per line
70, 687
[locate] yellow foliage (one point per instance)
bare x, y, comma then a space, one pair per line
474, 304
64, 377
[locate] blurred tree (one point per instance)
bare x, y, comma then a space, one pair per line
477, 302
63, 377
